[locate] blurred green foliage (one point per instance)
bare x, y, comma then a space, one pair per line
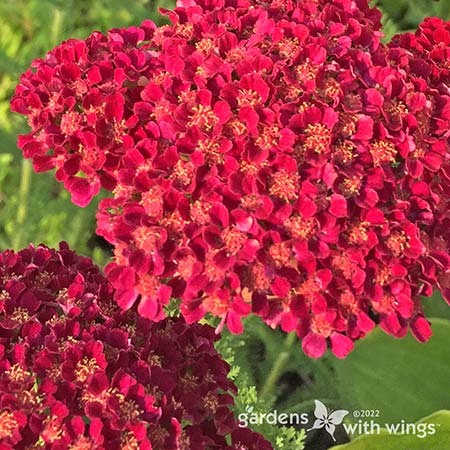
35, 208
415, 373
404, 15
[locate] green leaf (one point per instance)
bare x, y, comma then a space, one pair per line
436, 306
438, 422
403, 379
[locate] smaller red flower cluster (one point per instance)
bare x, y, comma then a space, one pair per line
79, 102
78, 373
273, 158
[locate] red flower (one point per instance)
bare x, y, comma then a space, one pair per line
78, 372
424, 56
276, 160
77, 110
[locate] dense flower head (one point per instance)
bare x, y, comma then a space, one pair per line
79, 101
424, 56
76, 372
281, 162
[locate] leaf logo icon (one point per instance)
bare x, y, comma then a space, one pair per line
327, 420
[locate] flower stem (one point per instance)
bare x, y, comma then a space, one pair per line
22, 209
278, 366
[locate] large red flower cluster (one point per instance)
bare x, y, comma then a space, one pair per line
76, 372
265, 157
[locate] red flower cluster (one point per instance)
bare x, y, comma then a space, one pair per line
425, 56
275, 159
79, 105
76, 372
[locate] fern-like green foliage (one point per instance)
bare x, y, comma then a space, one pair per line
302, 380
248, 399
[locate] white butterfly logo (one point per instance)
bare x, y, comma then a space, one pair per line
327, 420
